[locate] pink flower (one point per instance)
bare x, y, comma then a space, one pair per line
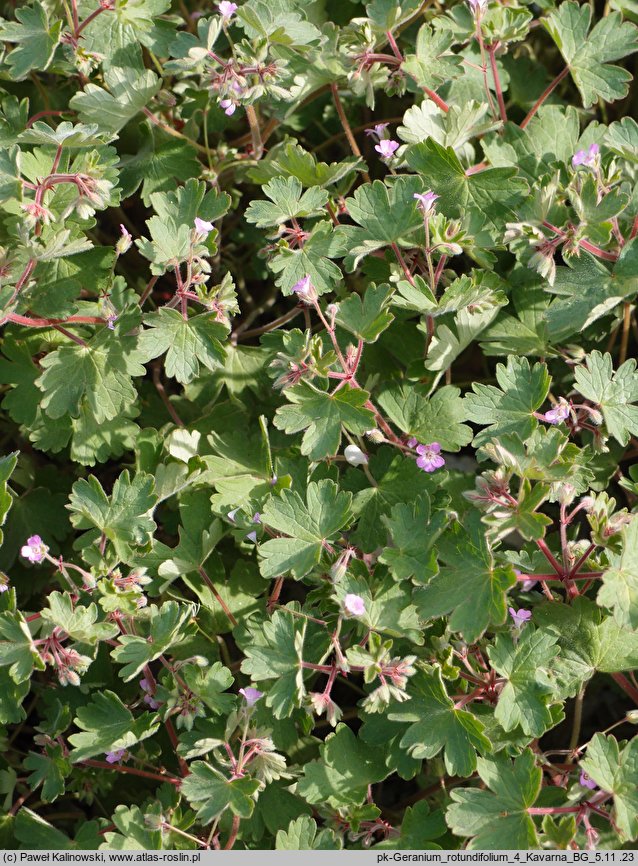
148, 697
305, 290
34, 550
520, 617
425, 201
412, 442
203, 227
478, 6
124, 242
378, 130
429, 458
354, 604
252, 536
559, 413
229, 106
387, 147
4, 582
116, 756
251, 695
226, 9
586, 157
586, 782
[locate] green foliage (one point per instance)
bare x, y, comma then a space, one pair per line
510, 407
338, 303
186, 342
496, 818
437, 724
107, 725
616, 772
613, 392
211, 793
308, 525
588, 55
479, 599
323, 416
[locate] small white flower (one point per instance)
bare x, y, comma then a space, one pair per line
354, 455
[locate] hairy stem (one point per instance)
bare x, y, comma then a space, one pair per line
491, 51
354, 147
541, 99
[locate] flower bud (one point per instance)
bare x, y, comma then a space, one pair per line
305, 290
566, 493
354, 455
153, 822
632, 717
375, 436
124, 242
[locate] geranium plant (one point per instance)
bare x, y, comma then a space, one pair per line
319, 415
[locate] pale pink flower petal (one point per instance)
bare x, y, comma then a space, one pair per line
251, 695
520, 616
387, 147
354, 604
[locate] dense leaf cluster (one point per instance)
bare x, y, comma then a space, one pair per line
319, 415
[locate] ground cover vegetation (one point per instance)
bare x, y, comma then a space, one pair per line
319, 423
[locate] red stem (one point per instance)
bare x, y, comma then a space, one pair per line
133, 771
401, 261
590, 575
597, 251
31, 322
541, 99
431, 93
437, 99
586, 245
233, 833
550, 557
172, 736
354, 147
439, 270
209, 583
147, 291
474, 169
491, 50
47, 113
626, 686
90, 18
582, 560
70, 336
